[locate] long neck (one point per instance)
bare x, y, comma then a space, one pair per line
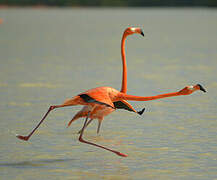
124, 73
149, 98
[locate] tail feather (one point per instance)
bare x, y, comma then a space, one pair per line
80, 114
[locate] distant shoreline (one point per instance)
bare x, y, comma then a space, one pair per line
6, 6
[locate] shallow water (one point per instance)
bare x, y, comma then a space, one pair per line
48, 55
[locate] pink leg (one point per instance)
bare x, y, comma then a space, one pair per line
26, 138
83, 141
99, 125
79, 132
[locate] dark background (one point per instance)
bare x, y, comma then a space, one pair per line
112, 3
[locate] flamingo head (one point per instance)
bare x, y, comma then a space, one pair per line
133, 30
190, 89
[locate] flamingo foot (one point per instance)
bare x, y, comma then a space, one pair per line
24, 138
121, 154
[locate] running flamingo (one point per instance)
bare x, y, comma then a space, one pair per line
101, 111
107, 96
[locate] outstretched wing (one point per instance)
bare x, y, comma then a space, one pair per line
89, 99
127, 106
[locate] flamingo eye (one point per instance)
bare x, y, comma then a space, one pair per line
133, 29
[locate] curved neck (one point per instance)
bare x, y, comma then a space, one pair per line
149, 98
124, 73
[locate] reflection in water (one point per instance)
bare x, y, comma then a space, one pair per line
34, 163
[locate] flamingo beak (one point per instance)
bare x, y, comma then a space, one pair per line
201, 88
142, 34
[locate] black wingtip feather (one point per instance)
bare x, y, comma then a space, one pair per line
141, 112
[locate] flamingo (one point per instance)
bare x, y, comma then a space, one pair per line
101, 97
101, 111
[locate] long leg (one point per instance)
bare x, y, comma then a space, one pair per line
26, 138
79, 132
99, 125
83, 141
68, 102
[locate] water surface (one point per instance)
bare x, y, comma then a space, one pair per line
48, 55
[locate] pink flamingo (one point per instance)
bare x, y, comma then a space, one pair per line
101, 111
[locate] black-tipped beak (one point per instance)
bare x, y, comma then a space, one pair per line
142, 34
201, 88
